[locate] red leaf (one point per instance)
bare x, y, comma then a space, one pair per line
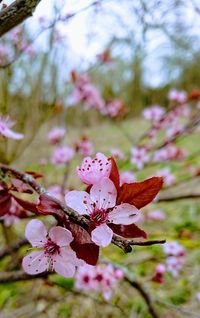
26, 205
83, 245
114, 174
5, 202
20, 186
34, 174
128, 231
140, 194
49, 206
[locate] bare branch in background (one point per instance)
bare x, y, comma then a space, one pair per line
16, 13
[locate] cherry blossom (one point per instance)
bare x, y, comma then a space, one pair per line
87, 93
56, 191
114, 108
174, 248
62, 155
101, 278
159, 274
139, 157
54, 252
118, 154
177, 96
174, 265
156, 215
56, 134
100, 206
92, 171
5, 129
154, 113
84, 146
127, 176
12, 216
168, 177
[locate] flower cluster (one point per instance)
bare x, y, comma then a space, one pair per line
102, 279
174, 262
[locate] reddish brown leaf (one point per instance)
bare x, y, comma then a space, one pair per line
114, 174
20, 186
83, 245
26, 205
35, 175
128, 231
5, 202
48, 206
140, 194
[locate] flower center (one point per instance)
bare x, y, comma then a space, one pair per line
99, 216
51, 248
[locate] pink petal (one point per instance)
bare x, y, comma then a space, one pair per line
64, 263
60, 236
104, 194
79, 201
11, 134
102, 235
35, 263
124, 214
36, 233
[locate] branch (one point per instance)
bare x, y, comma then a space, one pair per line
125, 245
180, 197
13, 248
144, 295
6, 277
16, 13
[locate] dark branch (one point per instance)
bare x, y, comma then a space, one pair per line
144, 295
13, 248
16, 13
6, 277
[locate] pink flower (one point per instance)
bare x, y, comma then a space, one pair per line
127, 176
139, 157
174, 249
84, 146
154, 113
5, 125
93, 170
174, 130
177, 96
168, 177
198, 296
54, 251
101, 207
62, 155
156, 215
56, 191
56, 135
174, 265
118, 154
114, 108
101, 278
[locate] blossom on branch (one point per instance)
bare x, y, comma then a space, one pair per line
100, 205
54, 252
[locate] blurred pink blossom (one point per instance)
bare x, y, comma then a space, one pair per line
118, 154
5, 129
101, 278
84, 146
56, 134
154, 112
156, 215
177, 96
168, 177
139, 157
127, 176
62, 155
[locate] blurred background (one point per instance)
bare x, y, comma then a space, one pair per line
132, 54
